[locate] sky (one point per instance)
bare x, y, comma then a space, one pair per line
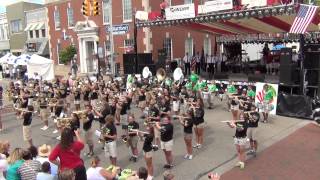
3, 3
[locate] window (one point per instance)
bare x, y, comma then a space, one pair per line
2, 37
207, 46
189, 46
127, 10
58, 52
16, 26
188, 1
70, 17
106, 11
167, 46
31, 34
43, 32
37, 34
56, 15
129, 45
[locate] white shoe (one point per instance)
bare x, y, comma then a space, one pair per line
58, 138
55, 131
190, 157
44, 128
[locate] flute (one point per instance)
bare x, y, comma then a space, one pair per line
230, 121
22, 110
138, 131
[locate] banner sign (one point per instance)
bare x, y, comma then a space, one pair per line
267, 97
254, 3
119, 29
217, 5
180, 12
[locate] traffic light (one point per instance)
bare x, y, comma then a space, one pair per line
95, 8
86, 8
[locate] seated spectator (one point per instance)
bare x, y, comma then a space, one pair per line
67, 174
15, 161
45, 172
30, 168
95, 172
43, 154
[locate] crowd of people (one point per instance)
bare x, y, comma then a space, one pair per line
72, 104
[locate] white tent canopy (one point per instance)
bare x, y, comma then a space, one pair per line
8, 59
42, 66
22, 60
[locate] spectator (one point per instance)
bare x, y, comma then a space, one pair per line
44, 152
30, 168
45, 174
143, 173
3, 166
4, 148
95, 172
68, 152
67, 174
15, 161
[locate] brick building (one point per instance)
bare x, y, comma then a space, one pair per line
66, 27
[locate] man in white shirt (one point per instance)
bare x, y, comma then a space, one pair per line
187, 60
198, 63
211, 61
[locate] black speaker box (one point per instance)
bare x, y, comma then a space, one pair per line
312, 77
285, 56
312, 56
289, 74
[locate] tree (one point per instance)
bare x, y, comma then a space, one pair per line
67, 54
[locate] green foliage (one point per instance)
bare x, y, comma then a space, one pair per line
67, 54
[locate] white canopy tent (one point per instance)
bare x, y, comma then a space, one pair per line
42, 66
8, 59
22, 60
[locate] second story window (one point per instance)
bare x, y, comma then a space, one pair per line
56, 15
43, 32
106, 11
31, 34
70, 17
37, 34
16, 26
127, 10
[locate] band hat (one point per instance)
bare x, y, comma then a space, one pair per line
44, 150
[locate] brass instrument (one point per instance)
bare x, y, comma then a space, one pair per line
161, 74
22, 110
138, 131
64, 122
82, 115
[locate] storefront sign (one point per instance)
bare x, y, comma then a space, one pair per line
217, 5
119, 29
254, 3
180, 12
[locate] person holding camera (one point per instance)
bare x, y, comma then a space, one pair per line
166, 137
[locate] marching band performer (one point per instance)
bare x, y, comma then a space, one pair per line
148, 150
198, 121
187, 123
44, 114
87, 127
133, 137
240, 139
77, 98
266, 102
231, 90
109, 133
154, 116
252, 117
26, 115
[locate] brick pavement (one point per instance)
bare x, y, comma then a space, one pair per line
297, 157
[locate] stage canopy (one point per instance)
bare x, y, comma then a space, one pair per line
42, 66
239, 23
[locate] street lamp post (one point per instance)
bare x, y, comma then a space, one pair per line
135, 34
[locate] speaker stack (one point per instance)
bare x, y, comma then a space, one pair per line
288, 70
311, 64
144, 59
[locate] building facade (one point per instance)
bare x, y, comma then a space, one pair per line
4, 35
17, 24
37, 32
68, 26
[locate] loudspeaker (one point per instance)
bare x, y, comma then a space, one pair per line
289, 74
312, 56
285, 56
312, 77
145, 58
128, 69
256, 78
128, 59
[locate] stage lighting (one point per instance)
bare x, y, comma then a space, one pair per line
247, 14
218, 17
253, 13
240, 15
259, 13
196, 20
211, 17
235, 15
229, 16
274, 11
281, 11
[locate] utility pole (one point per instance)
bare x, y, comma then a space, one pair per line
112, 63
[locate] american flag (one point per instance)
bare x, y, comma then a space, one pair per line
304, 17
193, 63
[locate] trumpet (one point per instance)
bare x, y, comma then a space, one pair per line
138, 131
79, 112
64, 122
22, 110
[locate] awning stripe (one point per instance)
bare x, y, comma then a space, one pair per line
242, 28
208, 28
273, 21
